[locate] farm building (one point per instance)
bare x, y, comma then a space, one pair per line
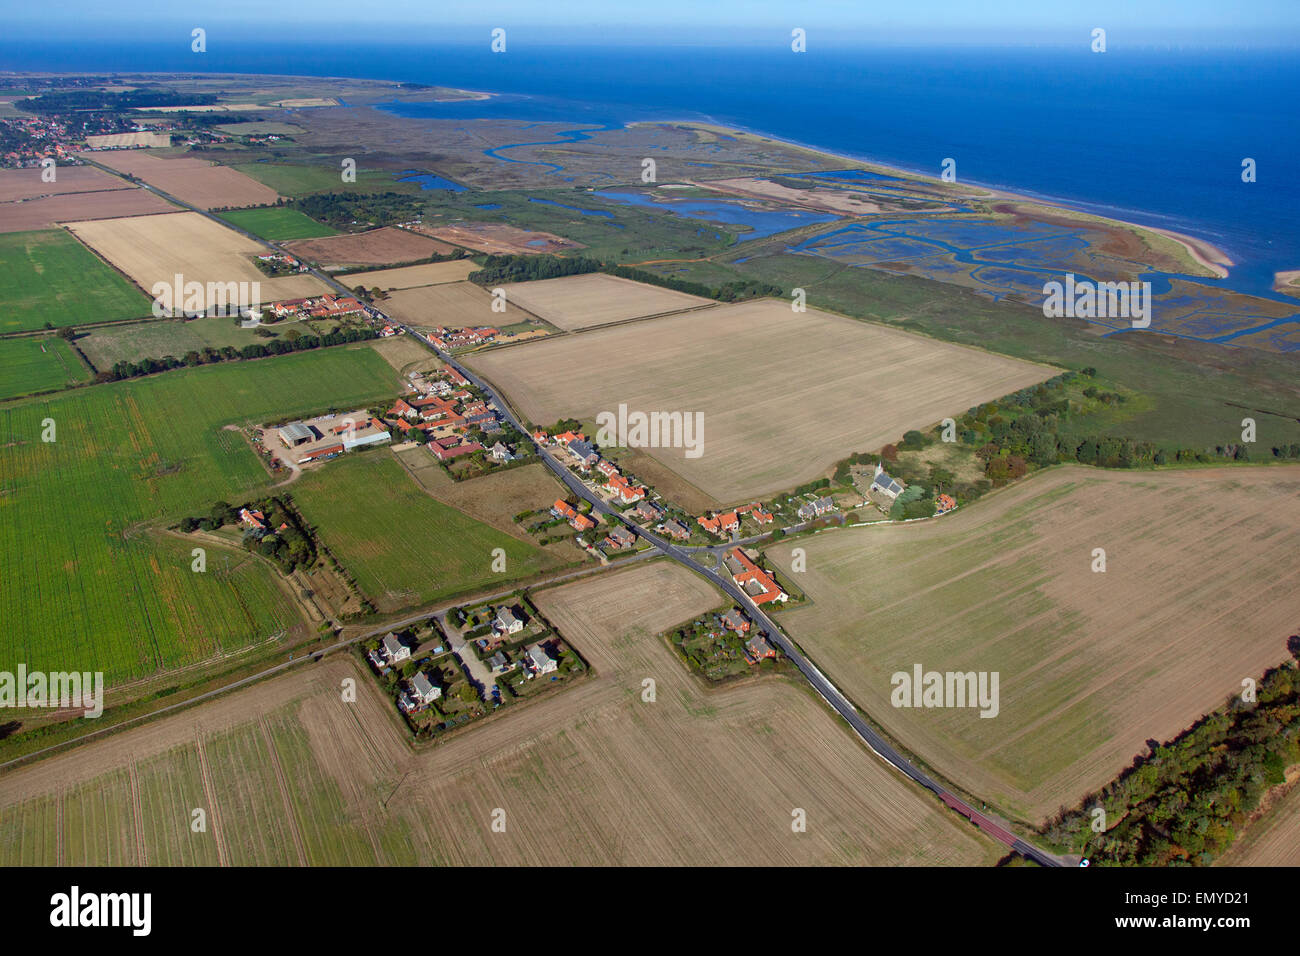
296, 433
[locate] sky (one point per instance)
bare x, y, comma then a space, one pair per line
1247, 23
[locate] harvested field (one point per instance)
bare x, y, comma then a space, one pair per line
584, 301
133, 140
152, 249
451, 304
49, 211
378, 247
405, 354
784, 395
1201, 589
433, 273
27, 183
291, 774
498, 238
197, 182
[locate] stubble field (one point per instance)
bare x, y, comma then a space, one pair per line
585, 301
451, 304
408, 277
152, 249
291, 774
784, 395
1200, 591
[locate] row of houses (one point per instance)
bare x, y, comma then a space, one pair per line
327, 306
815, 508
459, 338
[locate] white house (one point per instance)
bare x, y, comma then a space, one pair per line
506, 622
539, 662
393, 650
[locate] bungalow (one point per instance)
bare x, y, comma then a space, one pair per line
620, 538
757, 583
676, 529
538, 662
507, 622
540, 437
884, 484
733, 620
757, 649
393, 650
943, 503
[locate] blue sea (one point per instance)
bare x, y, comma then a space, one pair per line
1155, 136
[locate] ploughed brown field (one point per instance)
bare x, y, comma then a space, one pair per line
79, 206
408, 277
452, 304
194, 181
1201, 590
498, 238
784, 395
291, 774
584, 301
151, 249
385, 246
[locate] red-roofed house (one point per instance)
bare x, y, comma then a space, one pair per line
757, 583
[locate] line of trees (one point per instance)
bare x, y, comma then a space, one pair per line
255, 350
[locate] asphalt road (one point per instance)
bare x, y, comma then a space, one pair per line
829, 692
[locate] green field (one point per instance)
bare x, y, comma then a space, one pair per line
93, 590
277, 223
38, 364
403, 546
46, 276
295, 180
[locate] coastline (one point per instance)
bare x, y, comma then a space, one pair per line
1287, 282
1211, 258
